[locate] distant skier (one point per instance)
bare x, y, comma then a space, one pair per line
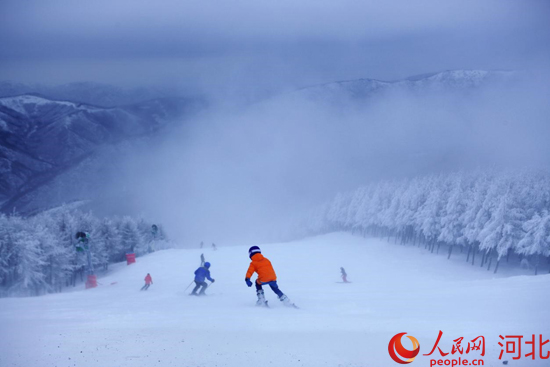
202, 244
202, 259
266, 276
148, 282
201, 274
214, 247
344, 275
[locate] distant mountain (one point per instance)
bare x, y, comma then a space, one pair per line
42, 138
97, 94
454, 80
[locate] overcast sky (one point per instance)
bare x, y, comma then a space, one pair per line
257, 44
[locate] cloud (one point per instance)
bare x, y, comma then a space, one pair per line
300, 42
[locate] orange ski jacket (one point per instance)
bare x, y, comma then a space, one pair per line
263, 267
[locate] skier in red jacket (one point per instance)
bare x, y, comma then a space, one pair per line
148, 282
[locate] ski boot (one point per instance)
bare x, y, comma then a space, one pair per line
286, 301
261, 299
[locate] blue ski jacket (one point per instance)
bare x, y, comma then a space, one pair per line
202, 273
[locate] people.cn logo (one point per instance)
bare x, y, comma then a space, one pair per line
398, 353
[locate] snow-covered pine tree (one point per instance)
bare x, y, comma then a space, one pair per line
452, 231
129, 234
29, 278
428, 216
536, 241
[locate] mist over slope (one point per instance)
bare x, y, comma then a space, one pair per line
238, 171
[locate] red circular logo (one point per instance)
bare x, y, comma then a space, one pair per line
401, 355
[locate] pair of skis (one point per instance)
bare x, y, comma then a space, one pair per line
266, 305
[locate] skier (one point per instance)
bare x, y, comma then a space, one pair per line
266, 276
202, 259
201, 274
214, 247
202, 244
148, 282
344, 275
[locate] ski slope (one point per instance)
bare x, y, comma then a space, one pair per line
394, 289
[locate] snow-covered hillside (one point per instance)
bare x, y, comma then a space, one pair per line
394, 289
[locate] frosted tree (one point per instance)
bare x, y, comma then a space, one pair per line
101, 241
107, 234
537, 238
54, 257
390, 216
377, 206
414, 197
485, 222
472, 220
147, 237
362, 218
6, 251
129, 235
28, 272
428, 216
452, 229
353, 208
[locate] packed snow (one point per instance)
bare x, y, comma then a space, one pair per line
393, 289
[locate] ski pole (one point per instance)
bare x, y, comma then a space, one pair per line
188, 286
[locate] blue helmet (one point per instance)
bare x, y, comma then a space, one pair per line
254, 250
207, 265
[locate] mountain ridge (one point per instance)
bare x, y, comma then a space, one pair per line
97, 94
462, 73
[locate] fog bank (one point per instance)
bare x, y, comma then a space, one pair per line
234, 173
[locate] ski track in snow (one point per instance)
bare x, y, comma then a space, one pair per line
394, 289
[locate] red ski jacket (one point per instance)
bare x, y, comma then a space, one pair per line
148, 279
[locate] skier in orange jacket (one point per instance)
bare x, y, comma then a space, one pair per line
266, 276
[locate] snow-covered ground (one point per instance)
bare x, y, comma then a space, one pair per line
394, 289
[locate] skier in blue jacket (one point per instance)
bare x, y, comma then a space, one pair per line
201, 274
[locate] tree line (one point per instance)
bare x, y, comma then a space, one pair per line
38, 254
492, 214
